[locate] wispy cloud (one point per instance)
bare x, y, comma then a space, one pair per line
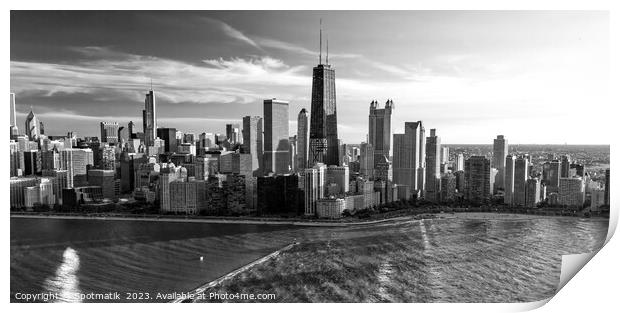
232, 32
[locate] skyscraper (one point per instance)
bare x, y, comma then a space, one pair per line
367, 160
477, 178
500, 151
565, 166
232, 133
276, 158
551, 175
520, 180
14, 131
109, 132
33, 130
131, 127
607, 187
253, 141
380, 129
532, 192
509, 179
168, 135
302, 140
323, 118
314, 187
408, 163
433, 151
149, 119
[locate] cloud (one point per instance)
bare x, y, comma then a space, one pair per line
218, 80
232, 32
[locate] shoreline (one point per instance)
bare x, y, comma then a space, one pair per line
207, 220
266, 221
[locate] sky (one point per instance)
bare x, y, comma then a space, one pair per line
534, 76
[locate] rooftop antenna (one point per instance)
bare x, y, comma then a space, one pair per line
327, 57
320, 40
151, 83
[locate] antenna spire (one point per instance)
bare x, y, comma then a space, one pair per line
320, 40
151, 83
327, 57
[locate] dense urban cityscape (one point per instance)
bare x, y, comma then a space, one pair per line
257, 169
182, 190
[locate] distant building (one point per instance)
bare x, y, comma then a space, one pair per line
367, 160
330, 208
572, 192
253, 142
187, 197
73, 198
303, 133
169, 173
168, 135
339, 176
276, 158
33, 126
607, 186
459, 163
597, 198
551, 175
433, 162
105, 179
448, 187
149, 119
509, 179
478, 179
323, 144
565, 166
314, 187
380, 129
279, 194
500, 151
520, 180
532, 192
109, 132
232, 133
409, 154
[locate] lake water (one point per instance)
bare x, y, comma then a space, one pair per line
444, 260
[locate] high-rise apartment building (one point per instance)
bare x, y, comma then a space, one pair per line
478, 179
572, 192
314, 187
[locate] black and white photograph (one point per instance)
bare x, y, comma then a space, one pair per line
292, 156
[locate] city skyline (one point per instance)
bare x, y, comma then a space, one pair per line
202, 86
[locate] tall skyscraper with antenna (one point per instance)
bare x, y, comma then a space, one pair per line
149, 118
14, 130
323, 143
